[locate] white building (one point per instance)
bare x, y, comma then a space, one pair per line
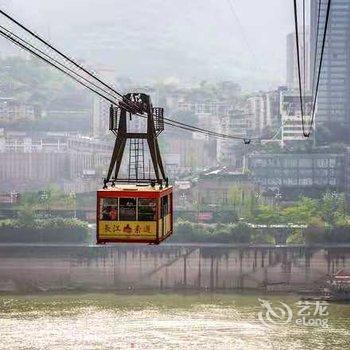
291, 130
264, 109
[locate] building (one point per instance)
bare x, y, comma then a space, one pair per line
272, 106
187, 152
347, 175
100, 117
264, 110
12, 110
291, 129
25, 171
295, 174
32, 162
25, 143
88, 157
239, 123
256, 107
334, 89
221, 189
292, 62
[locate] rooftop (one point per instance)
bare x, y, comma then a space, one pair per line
134, 188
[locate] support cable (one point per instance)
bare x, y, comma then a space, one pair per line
316, 47
315, 87
22, 43
298, 61
320, 66
26, 48
28, 44
36, 36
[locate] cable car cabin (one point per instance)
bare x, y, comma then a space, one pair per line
129, 213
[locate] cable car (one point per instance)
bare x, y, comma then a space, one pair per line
141, 214
136, 209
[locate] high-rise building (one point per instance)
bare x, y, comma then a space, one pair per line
292, 62
334, 87
264, 109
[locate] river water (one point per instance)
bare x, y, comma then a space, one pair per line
171, 321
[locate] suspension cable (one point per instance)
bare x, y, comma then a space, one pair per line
320, 66
304, 49
22, 43
298, 61
28, 44
36, 36
316, 47
315, 88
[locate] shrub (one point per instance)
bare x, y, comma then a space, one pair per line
220, 233
315, 233
53, 230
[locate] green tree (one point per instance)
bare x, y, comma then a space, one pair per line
333, 207
26, 215
301, 212
267, 214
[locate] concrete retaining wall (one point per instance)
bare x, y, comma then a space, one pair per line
168, 266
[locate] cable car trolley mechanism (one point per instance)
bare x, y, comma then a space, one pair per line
137, 208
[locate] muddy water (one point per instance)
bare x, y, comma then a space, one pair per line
206, 321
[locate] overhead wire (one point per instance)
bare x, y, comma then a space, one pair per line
315, 87
243, 33
26, 48
320, 65
298, 64
28, 44
22, 44
76, 76
212, 132
316, 46
304, 49
45, 42
79, 66
170, 121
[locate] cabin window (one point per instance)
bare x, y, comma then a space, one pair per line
109, 209
164, 206
147, 209
127, 209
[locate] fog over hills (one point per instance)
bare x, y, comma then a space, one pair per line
156, 39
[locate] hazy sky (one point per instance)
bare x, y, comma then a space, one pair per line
157, 39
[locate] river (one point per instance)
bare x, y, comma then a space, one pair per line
170, 321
